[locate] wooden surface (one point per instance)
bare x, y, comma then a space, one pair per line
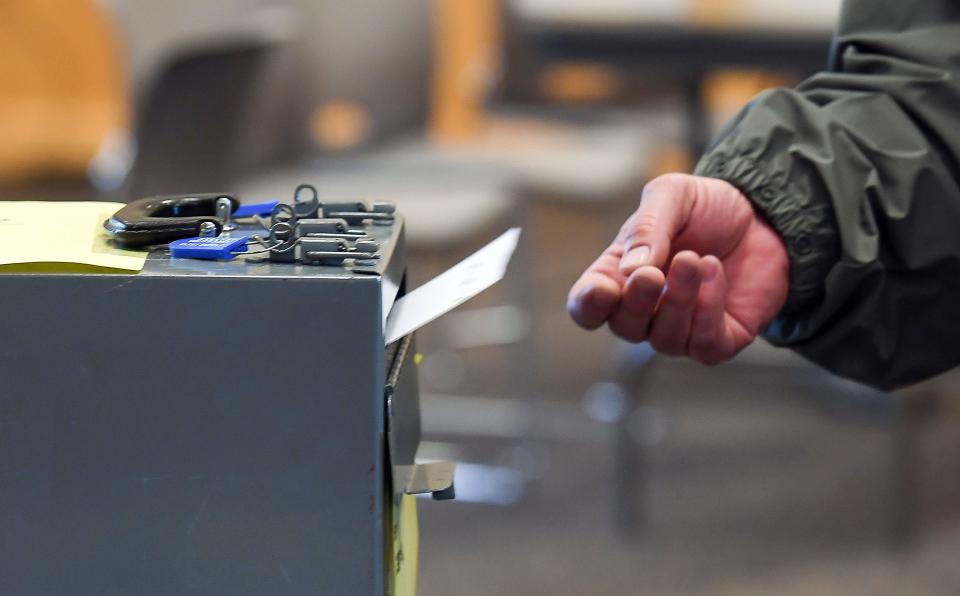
467, 42
62, 89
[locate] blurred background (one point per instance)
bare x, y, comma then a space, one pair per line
587, 466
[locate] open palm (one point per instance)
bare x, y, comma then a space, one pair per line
693, 270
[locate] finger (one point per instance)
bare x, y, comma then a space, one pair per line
710, 343
591, 303
648, 233
631, 321
670, 329
594, 297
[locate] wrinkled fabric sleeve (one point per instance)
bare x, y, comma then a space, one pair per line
857, 169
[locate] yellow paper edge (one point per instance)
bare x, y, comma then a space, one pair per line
406, 547
68, 268
62, 237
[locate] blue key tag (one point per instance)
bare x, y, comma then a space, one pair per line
221, 248
251, 209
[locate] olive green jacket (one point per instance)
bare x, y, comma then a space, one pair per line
858, 169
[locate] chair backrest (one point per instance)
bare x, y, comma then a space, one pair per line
375, 54
189, 126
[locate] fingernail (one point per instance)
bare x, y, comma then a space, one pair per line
635, 258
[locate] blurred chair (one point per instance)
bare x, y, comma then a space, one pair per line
199, 76
190, 127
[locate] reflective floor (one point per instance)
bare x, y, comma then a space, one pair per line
763, 476
747, 492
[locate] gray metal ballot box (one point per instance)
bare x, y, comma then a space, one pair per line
205, 427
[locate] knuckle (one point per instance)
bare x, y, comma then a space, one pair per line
640, 227
643, 224
670, 181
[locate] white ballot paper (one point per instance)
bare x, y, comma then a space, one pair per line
452, 288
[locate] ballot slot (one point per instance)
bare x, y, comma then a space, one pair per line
403, 432
410, 312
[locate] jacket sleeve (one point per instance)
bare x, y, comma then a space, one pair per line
858, 169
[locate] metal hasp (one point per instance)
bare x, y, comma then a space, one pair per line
334, 251
225, 214
307, 205
322, 241
327, 228
203, 427
283, 243
161, 220
381, 213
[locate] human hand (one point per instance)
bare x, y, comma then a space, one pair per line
727, 272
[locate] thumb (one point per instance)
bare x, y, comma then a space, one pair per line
664, 208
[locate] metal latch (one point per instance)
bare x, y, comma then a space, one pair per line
353, 212
316, 241
333, 251
380, 213
297, 234
432, 477
327, 228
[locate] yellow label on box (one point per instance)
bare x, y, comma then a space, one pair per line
61, 237
406, 545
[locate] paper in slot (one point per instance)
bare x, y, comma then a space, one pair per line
452, 288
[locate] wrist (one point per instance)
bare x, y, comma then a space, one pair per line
777, 268
804, 224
